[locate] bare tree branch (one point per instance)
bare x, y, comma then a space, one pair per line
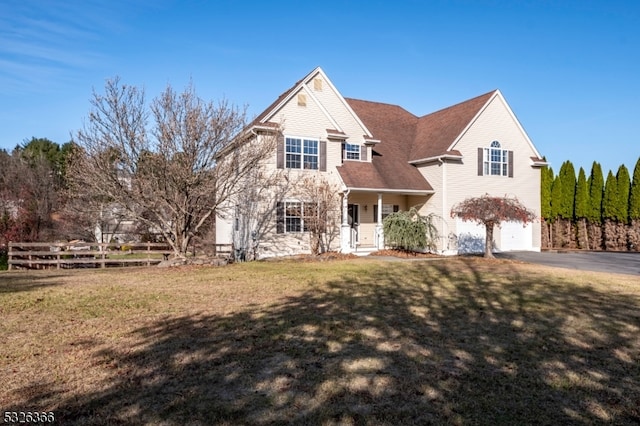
166, 172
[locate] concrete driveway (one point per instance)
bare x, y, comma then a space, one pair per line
618, 263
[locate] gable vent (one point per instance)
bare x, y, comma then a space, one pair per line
317, 84
302, 99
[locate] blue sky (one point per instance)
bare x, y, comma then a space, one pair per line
569, 69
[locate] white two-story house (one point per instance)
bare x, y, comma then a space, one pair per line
382, 158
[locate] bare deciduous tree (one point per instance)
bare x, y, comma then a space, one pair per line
322, 215
255, 209
490, 211
162, 164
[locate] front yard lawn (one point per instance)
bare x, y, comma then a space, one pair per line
360, 341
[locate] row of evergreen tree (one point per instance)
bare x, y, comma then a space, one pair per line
591, 212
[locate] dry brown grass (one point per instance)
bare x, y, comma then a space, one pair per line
361, 341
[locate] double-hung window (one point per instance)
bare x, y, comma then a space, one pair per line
496, 160
297, 216
293, 216
301, 153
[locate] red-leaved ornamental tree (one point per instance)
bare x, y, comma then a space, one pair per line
489, 211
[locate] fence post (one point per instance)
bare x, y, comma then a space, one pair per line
9, 248
148, 253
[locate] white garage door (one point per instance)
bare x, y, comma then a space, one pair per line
470, 237
516, 237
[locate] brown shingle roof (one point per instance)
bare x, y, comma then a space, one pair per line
267, 110
389, 167
404, 138
436, 132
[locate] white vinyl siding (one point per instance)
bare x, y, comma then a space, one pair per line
462, 181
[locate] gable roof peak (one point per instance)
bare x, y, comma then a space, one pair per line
266, 114
438, 131
382, 104
484, 98
302, 85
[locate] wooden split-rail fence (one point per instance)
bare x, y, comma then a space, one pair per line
90, 255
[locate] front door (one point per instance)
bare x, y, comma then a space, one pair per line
353, 211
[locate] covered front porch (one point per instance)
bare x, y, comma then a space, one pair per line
363, 212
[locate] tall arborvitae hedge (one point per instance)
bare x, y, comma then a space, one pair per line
582, 196
581, 210
634, 194
556, 198
623, 186
634, 209
565, 235
610, 212
567, 175
610, 205
589, 212
596, 190
546, 182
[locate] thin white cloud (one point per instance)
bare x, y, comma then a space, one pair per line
45, 44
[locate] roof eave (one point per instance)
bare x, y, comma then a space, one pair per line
394, 191
440, 158
263, 128
538, 163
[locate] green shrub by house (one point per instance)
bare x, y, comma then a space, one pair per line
407, 230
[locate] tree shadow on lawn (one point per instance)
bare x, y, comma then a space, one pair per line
406, 344
25, 281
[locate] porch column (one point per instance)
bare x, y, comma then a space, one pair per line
345, 228
379, 227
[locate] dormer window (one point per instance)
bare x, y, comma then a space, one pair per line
495, 161
351, 151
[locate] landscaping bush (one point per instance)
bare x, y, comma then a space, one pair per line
409, 231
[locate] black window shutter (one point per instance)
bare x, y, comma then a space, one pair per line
480, 161
280, 152
323, 156
280, 218
510, 165
363, 153
396, 208
375, 213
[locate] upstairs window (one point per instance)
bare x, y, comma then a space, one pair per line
351, 151
495, 161
301, 153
